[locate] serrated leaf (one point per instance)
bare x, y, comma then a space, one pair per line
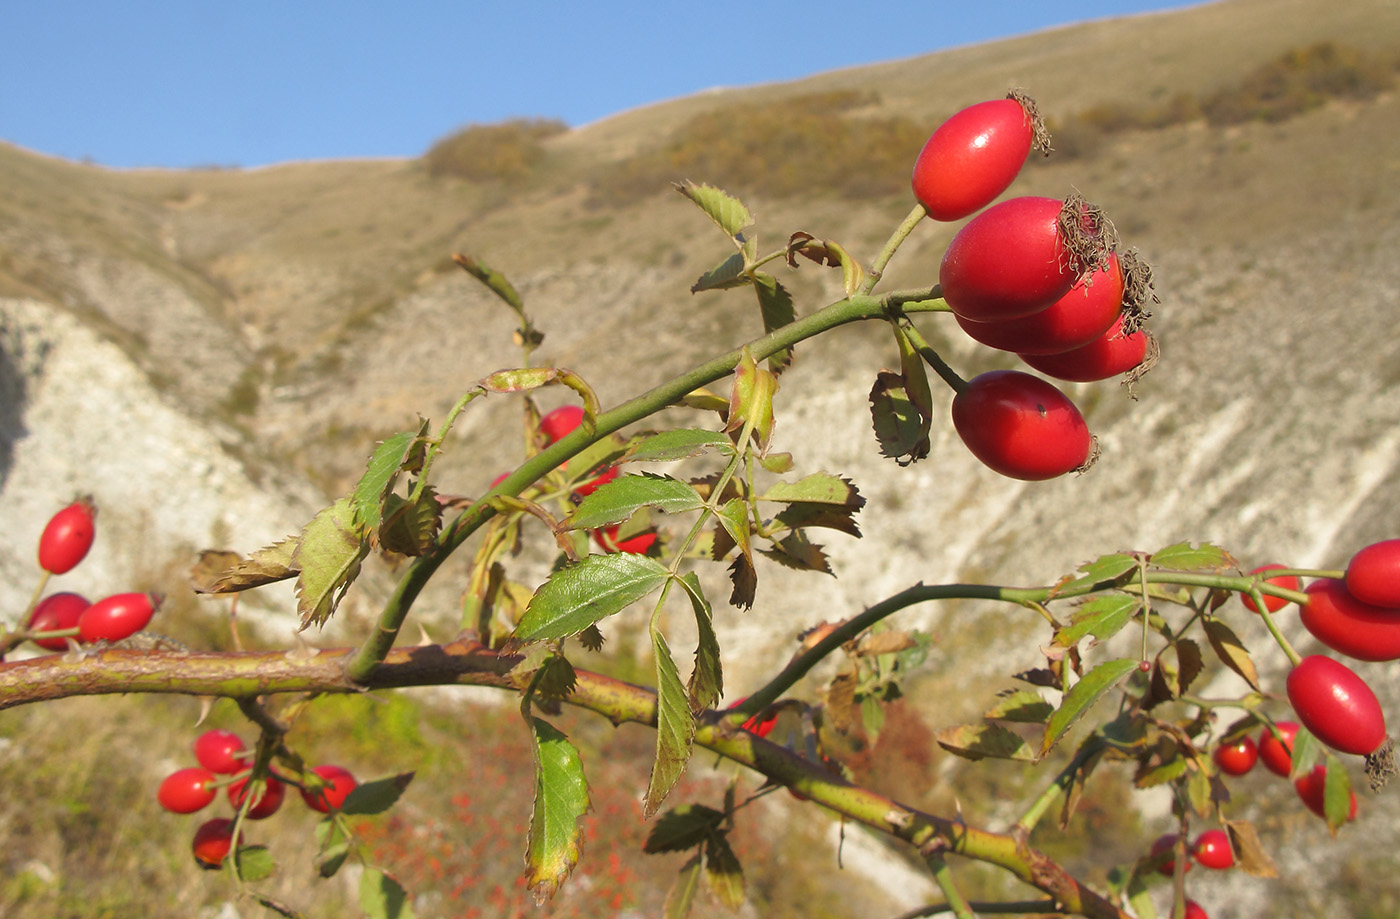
328, 555
382, 896
266, 566
675, 727
681, 896
1021, 706
410, 527
1190, 662
744, 577
915, 375
377, 796
818, 488
751, 400
728, 273
899, 426
1079, 778
672, 446
1306, 751
1082, 696
775, 303
619, 499
394, 455
561, 799
254, 863
733, 518
977, 741
1105, 570
727, 211
723, 871
1231, 651
707, 678
1103, 617
681, 828
801, 514
582, 594
796, 551
1250, 856
1186, 557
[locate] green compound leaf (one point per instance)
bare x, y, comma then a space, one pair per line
377, 796
707, 679
403, 452
328, 556
977, 741
1186, 557
727, 211
265, 566
672, 446
561, 799
682, 828
619, 499
675, 727
1101, 617
775, 303
818, 488
382, 896
1082, 697
585, 593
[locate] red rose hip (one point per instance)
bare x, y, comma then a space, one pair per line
1336, 705
974, 156
339, 782
54, 613
1021, 426
218, 751
116, 617
68, 536
187, 790
1373, 574
1277, 754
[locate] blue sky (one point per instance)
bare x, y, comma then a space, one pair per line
210, 82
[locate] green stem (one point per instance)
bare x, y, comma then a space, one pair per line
956, 901
1268, 617
1062, 783
901, 233
931, 357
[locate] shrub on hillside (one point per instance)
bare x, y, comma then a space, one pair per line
504, 152
1299, 80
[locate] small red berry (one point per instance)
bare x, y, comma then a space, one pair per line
1312, 790
1373, 574
1194, 911
267, 803
187, 790
67, 537
1213, 850
1276, 754
55, 612
762, 727
584, 489
607, 539
1237, 757
338, 784
217, 750
559, 422
212, 842
116, 617
1272, 604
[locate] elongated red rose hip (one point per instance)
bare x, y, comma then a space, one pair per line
1336, 705
975, 155
68, 536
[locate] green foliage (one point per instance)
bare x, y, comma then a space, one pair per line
786, 147
508, 152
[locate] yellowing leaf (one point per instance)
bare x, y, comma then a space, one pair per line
328, 556
561, 798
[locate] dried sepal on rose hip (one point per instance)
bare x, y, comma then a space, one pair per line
976, 154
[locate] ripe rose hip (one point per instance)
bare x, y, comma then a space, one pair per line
267, 803
1336, 705
1237, 758
212, 842
1107, 356
67, 537
554, 425
974, 156
1013, 259
1194, 911
217, 750
1373, 574
1347, 625
187, 790
584, 489
339, 782
1213, 850
1272, 604
607, 540
1021, 426
1162, 846
1276, 754
116, 617
1083, 314
1312, 790
754, 726
56, 612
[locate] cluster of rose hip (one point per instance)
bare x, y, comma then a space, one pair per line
1036, 276
225, 763
553, 426
61, 617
